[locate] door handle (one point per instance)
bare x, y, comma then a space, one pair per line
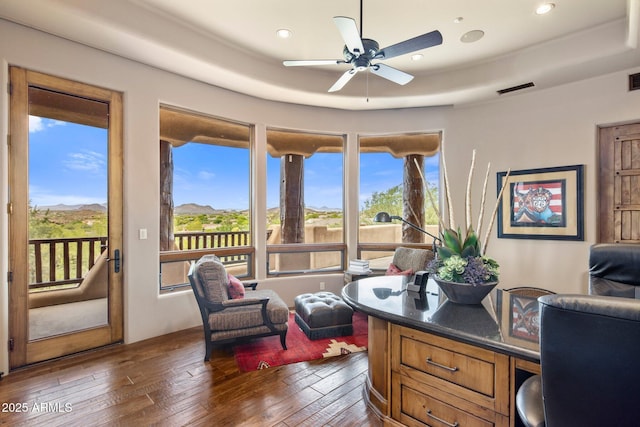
116, 260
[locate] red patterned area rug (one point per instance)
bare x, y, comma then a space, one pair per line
267, 352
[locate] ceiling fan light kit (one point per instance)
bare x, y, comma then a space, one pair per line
360, 52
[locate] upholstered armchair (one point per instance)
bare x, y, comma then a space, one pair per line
589, 348
614, 269
413, 259
259, 313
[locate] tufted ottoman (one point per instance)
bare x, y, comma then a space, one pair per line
323, 315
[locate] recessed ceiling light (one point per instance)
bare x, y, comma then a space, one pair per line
545, 8
283, 33
416, 57
472, 36
458, 20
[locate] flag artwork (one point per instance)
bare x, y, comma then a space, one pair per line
538, 203
543, 203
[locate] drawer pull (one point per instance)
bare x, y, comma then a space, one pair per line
431, 362
430, 415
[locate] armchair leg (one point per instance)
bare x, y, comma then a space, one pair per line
208, 349
283, 340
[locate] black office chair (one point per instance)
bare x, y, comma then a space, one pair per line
589, 347
614, 269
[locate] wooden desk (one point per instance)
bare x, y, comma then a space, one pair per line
433, 362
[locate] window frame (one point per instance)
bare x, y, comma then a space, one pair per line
311, 248
194, 250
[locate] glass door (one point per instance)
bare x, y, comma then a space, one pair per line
66, 217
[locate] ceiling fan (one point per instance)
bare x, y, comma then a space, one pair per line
360, 53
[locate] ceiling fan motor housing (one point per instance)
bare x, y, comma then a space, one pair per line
371, 48
361, 63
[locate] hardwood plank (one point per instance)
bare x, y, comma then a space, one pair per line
163, 381
340, 377
349, 418
335, 395
334, 409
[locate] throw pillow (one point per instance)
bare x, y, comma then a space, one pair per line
393, 270
236, 288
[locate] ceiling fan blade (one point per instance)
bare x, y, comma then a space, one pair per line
349, 32
343, 80
391, 73
302, 63
424, 41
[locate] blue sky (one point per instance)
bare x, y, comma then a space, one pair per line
198, 180
67, 164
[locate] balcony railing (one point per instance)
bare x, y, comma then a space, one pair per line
188, 241
62, 262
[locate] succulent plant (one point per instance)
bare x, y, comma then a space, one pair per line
454, 244
460, 260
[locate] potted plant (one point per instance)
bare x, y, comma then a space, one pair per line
462, 269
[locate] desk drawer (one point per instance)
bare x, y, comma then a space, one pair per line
460, 370
433, 412
454, 367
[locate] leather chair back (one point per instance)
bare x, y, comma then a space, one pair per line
614, 270
589, 351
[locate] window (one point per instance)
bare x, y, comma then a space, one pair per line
392, 168
205, 194
305, 198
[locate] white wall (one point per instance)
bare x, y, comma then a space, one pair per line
554, 127
541, 129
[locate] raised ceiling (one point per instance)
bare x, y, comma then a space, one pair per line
233, 44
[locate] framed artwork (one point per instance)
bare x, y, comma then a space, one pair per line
524, 318
542, 204
519, 318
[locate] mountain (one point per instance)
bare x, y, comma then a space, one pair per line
96, 207
194, 209
185, 209
92, 207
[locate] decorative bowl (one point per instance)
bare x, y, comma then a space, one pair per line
465, 293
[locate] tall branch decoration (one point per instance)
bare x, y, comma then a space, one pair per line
461, 258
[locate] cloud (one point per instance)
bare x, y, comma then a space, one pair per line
38, 124
90, 161
206, 175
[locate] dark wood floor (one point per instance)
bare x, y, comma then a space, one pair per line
164, 381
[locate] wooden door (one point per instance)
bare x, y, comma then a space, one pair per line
619, 184
65, 224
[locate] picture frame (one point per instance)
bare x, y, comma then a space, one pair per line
546, 203
519, 318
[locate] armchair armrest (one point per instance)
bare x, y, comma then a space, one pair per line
244, 301
219, 306
250, 284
